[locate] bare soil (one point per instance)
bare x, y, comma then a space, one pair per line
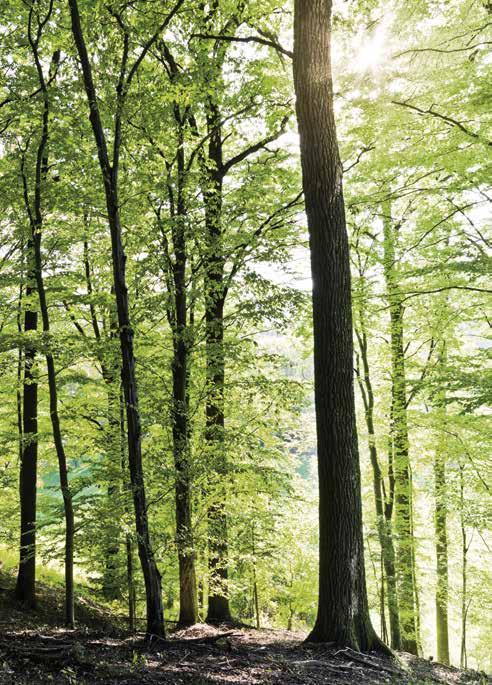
34, 649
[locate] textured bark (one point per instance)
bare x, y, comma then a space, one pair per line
188, 599
399, 435
25, 589
152, 579
177, 315
343, 615
215, 293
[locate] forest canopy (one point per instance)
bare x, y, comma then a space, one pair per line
176, 438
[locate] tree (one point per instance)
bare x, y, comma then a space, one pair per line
399, 438
109, 170
343, 614
383, 496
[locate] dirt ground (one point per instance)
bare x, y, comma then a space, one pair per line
34, 650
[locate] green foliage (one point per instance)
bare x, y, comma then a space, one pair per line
413, 101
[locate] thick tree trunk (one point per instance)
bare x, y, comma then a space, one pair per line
218, 596
25, 589
188, 599
343, 614
155, 615
399, 434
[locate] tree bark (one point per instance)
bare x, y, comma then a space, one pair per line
399, 435
25, 589
188, 599
343, 614
215, 293
155, 615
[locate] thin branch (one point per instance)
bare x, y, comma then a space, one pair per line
415, 293
363, 150
253, 148
465, 49
448, 120
151, 42
247, 39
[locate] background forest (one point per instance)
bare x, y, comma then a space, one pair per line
177, 129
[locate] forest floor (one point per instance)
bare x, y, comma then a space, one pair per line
34, 650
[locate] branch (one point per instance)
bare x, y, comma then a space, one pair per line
253, 148
465, 49
448, 120
150, 42
416, 293
425, 370
73, 319
247, 39
239, 260
362, 152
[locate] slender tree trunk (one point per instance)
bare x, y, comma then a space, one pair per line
129, 543
383, 504
343, 614
399, 432
130, 581
111, 578
25, 589
256, 599
442, 559
57, 434
440, 520
464, 578
382, 606
35, 215
155, 614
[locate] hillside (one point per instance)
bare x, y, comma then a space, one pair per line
35, 649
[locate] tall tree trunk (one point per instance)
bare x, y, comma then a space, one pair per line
155, 614
35, 215
129, 543
464, 568
440, 520
111, 577
25, 589
399, 434
188, 599
343, 614
256, 599
218, 596
383, 504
